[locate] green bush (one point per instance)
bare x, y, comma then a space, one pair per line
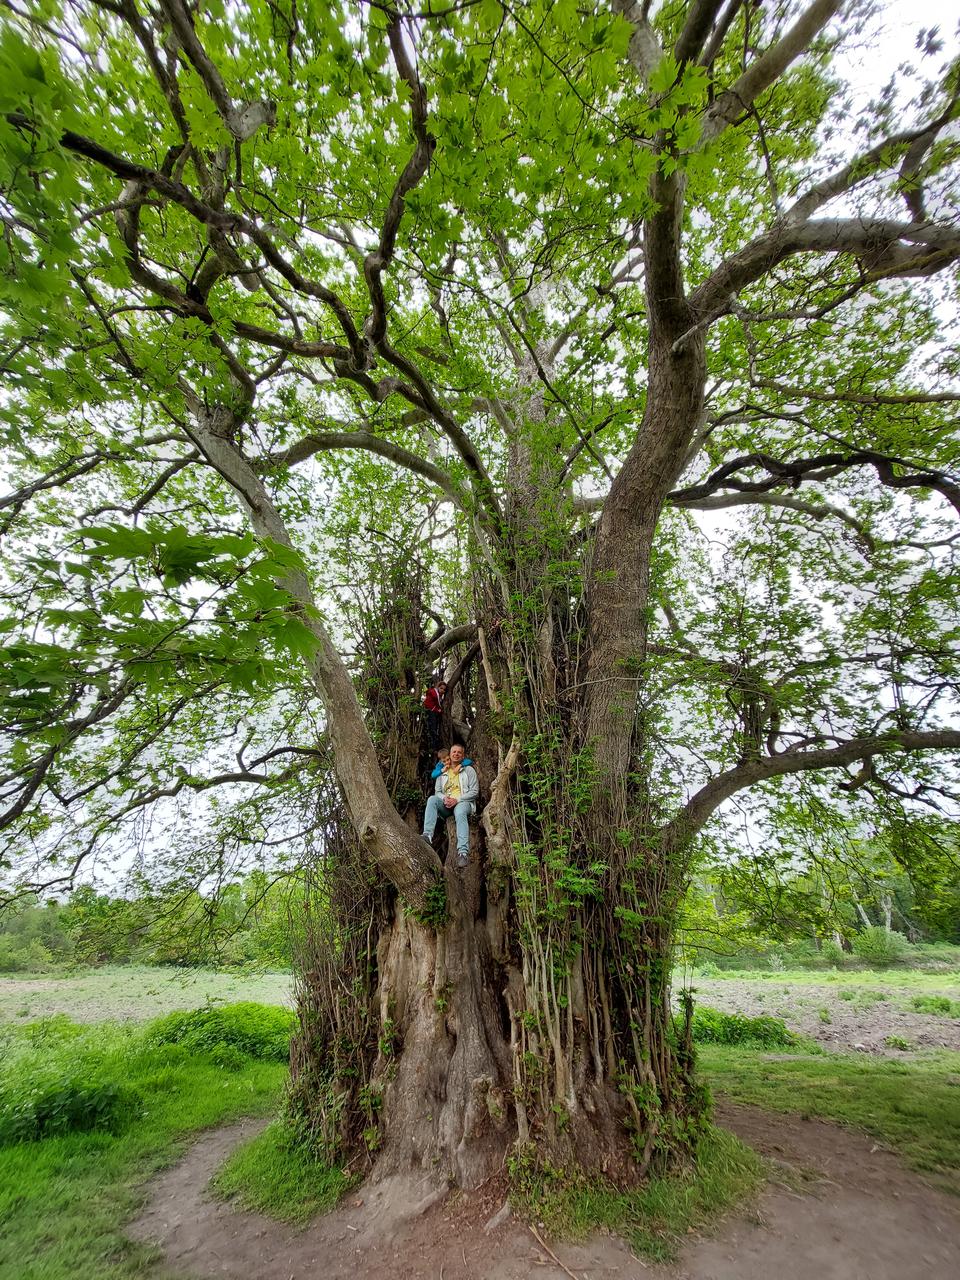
832, 954
68, 1106
25, 956
943, 1006
260, 1030
710, 1026
881, 947
59, 1077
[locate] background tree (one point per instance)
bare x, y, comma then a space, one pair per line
525, 289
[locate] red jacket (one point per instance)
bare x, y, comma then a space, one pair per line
433, 701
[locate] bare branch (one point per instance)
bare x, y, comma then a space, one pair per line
454, 636
818, 510
820, 467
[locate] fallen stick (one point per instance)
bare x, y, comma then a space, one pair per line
543, 1245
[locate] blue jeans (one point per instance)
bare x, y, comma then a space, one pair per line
461, 815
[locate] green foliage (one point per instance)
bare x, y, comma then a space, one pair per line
57, 1078
436, 910
253, 921
260, 1030
710, 1026
898, 1042
881, 947
67, 1106
941, 1006
276, 1174
654, 1217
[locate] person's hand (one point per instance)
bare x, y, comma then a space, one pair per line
449, 802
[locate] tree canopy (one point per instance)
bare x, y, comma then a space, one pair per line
349, 261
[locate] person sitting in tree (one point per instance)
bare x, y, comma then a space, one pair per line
433, 705
443, 759
456, 792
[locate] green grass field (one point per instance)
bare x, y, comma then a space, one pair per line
913, 1105
66, 1194
894, 981
65, 1197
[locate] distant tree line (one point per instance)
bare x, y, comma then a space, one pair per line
255, 921
840, 895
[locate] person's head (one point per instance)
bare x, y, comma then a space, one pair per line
443, 754
456, 754
441, 686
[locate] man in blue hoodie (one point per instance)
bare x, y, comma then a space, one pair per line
455, 795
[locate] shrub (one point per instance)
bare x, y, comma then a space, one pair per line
943, 1006
68, 1106
25, 956
260, 1030
898, 1042
832, 954
710, 1026
881, 947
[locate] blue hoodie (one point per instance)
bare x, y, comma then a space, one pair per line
439, 767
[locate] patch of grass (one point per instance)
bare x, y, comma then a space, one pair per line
941, 1006
899, 1042
64, 1199
276, 1175
711, 1026
912, 1105
943, 979
655, 1216
863, 998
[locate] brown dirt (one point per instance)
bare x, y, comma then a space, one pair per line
859, 1024
860, 1216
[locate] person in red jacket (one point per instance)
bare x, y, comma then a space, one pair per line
433, 705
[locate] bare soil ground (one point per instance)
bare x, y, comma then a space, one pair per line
132, 993
844, 1209
818, 1010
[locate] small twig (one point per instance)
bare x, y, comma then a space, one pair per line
543, 1245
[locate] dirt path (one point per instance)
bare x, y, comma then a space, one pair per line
862, 1216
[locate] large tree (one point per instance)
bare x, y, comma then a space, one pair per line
322, 320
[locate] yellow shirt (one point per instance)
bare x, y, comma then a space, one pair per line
452, 783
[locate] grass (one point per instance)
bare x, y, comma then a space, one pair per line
654, 1217
132, 992
275, 1176
912, 1105
939, 1006
889, 980
64, 1200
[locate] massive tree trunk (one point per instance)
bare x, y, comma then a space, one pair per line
530, 1002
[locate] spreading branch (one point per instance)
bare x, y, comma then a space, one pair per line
703, 804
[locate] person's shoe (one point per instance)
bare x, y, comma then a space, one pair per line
462, 860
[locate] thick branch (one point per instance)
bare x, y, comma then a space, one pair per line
454, 636
406, 859
884, 247
320, 441
768, 68
701, 806
416, 167
827, 464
